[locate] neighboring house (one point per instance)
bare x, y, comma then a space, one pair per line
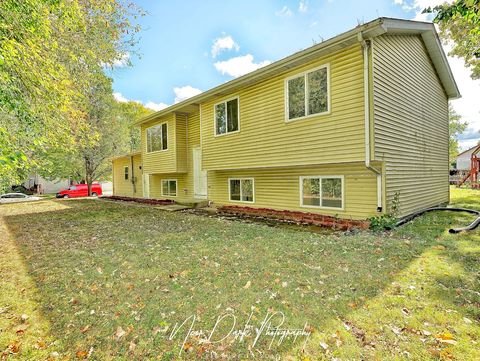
464, 159
41, 185
338, 129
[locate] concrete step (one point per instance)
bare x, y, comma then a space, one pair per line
194, 203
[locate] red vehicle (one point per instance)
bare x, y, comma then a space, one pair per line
80, 190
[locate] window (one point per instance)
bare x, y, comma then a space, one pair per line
169, 187
73, 188
125, 173
325, 192
227, 117
241, 190
308, 93
157, 138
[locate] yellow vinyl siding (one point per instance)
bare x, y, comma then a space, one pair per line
279, 188
411, 123
181, 142
265, 139
123, 187
162, 161
185, 187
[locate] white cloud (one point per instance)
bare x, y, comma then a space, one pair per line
224, 43
123, 61
120, 98
302, 6
156, 106
284, 12
185, 92
239, 65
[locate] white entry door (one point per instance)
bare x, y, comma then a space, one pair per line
146, 185
199, 175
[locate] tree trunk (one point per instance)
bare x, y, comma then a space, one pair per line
88, 176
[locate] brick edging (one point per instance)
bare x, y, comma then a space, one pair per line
297, 217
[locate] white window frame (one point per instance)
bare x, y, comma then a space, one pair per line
240, 179
322, 177
161, 136
169, 180
215, 116
304, 74
126, 170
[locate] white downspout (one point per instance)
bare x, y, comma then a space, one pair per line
366, 88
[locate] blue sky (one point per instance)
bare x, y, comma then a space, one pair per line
190, 46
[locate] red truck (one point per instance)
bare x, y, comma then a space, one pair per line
80, 190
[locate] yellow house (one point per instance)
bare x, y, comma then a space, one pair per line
344, 128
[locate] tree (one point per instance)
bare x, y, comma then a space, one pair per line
455, 128
128, 113
49, 50
459, 23
107, 131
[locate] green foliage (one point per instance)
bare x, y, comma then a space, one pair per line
455, 128
13, 163
387, 221
50, 54
459, 22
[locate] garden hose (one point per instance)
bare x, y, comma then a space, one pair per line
470, 227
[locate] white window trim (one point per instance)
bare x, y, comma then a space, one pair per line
322, 177
169, 180
215, 116
240, 179
161, 135
128, 173
304, 74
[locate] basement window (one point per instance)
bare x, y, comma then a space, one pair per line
125, 173
169, 187
307, 94
322, 192
227, 117
157, 138
241, 190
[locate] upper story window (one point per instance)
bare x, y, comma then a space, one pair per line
227, 117
308, 93
157, 138
125, 173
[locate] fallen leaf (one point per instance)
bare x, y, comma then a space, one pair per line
119, 333
284, 284
99, 270
446, 338
467, 320
81, 354
247, 285
85, 329
323, 345
40, 345
132, 346
14, 347
24, 317
405, 311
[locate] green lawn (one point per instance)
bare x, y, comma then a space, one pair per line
102, 280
